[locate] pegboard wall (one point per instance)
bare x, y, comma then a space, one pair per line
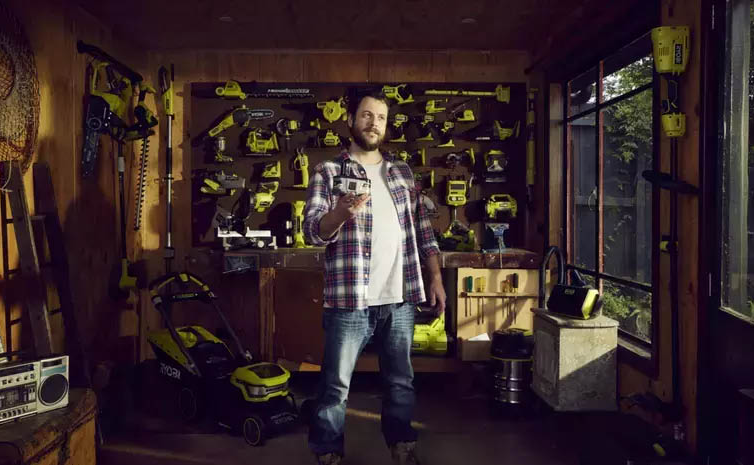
504, 122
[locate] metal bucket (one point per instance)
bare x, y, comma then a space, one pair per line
510, 380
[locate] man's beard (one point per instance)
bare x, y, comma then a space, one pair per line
361, 141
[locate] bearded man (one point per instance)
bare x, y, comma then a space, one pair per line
376, 243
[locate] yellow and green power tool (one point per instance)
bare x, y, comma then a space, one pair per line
430, 338
209, 378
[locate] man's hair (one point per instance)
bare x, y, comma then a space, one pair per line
356, 95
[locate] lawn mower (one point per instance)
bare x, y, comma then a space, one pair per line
247, 398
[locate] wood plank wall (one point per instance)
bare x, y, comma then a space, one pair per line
236, 293
86, 207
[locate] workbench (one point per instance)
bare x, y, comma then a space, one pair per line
289, 287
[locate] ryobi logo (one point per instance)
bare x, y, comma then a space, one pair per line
678, 56
167, 370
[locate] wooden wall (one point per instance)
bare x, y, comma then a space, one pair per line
236, 292
86, 207
630, 379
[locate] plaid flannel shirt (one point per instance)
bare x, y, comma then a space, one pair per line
348, 252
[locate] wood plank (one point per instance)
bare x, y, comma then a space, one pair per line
336, 67
282, 67
487, 67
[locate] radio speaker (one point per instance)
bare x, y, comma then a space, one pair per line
53, 383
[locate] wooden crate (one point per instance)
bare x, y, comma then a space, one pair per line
59, 437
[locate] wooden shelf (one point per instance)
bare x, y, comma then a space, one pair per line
504, 295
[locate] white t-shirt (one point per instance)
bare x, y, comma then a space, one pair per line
386, 264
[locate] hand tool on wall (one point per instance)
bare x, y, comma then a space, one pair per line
264, 197
240, 116
468, 286
286, 127
460, 113
124, 283
261, 143
480, 286
166, 90
401, 93
298, 225
221, 184
457, 236
220, 146
501, 94
328, 138
531, 136
331, 110
397, 127
301, 166
232, 90
105, 112
495, 162
142, 130
494, 131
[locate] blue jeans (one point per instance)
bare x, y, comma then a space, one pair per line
346, 334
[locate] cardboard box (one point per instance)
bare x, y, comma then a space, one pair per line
473, 351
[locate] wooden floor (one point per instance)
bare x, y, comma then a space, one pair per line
455, 428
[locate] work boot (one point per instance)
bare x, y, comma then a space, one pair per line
404, 453
329, 459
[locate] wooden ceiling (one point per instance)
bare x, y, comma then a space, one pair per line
339, 24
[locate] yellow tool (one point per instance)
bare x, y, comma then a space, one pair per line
258, 145
333, 110
671, 54
433, 106
456, 194
117, 101
219, 183
502, 133
498, 203
400, 93
272, 170
264, 196
501, 94
329, 139
430, 338
301, 164
298, 225
240, 116
231, 91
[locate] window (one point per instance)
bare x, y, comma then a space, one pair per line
737, 157
609, 143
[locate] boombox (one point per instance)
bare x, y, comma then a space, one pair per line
31, 387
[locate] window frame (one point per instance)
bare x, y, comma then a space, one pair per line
631, 349
728, 125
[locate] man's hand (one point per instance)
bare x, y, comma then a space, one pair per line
346, 208
437, 295
350, 204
